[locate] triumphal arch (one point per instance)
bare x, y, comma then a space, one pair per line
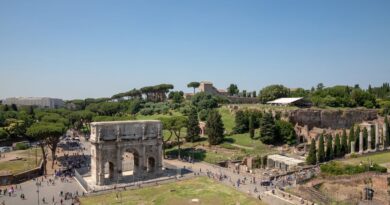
122, 151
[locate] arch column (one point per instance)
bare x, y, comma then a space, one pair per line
376, 136
369, 147
384, 136
119, 159
361, 143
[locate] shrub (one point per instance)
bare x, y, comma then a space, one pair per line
203, 115
21, 146
337, 168
147, 111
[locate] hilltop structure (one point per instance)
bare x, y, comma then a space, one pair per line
208, 87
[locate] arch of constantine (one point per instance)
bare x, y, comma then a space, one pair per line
122, 151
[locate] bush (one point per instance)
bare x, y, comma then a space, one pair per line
337, 168
147, 111
21, 146
203, 115
204, 101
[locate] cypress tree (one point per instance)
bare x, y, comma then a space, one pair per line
14, 107
193, 129
329, 154
267, 129
312, 157
387, 135
357, 138
214, 128
321, 149
337, 146
241, 122
373, 137
251, 127
365, 138
344, 144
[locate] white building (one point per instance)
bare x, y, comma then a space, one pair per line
35, 101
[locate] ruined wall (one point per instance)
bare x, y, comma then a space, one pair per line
243, 100
334, 119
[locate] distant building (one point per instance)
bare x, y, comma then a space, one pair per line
299, 102
43, 102
208, 87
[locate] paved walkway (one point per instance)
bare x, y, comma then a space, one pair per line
47, 191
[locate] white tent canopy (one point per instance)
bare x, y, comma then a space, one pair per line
284, 101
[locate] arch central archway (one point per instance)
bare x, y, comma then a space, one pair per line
130, 162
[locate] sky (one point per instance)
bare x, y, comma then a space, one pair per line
77, 49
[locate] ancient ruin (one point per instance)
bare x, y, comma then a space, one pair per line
122, 151
380, 138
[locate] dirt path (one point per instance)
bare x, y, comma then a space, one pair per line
241, 146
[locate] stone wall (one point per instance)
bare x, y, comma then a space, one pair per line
243, 100
334, 119
23, 176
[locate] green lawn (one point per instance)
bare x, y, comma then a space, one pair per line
227, 118
27, 162
177, 193
379, 158
244, 140
267, 107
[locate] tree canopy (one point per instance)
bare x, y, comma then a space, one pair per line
193, 85
233, 89
273, 92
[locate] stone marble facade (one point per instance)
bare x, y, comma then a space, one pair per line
111, 140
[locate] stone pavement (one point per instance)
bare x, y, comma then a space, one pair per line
47, 191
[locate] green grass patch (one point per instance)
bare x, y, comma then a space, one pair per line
227, 118
337, 168
243, 140
27, 161
378, 158
178, 193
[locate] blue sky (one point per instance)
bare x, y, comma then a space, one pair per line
77, 49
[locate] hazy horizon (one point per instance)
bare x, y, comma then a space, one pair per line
73, 49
